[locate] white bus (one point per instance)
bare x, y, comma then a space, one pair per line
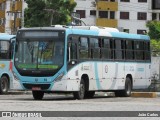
81, 60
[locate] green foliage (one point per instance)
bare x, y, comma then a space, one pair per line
155, 46
154, 33
154, 29
40, 12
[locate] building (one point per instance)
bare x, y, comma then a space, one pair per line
127, 15
11, 15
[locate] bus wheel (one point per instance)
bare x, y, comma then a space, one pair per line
4, 86
89, 94
38, 95
127, 91
128, 88
80, 94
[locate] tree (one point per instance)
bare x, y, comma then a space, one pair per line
47, 12
34, 15
154, 33
154, 29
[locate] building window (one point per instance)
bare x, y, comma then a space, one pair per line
124, 15
103, 14
142, 0
125, 0
142, 16
82, 13
126, 30
155, 4
112, 15
93, 12
154, 16
141, 32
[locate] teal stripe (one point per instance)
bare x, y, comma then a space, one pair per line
96, 76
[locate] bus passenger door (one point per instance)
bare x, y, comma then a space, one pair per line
72, 61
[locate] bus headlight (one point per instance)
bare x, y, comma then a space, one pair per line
15, 76
59, 77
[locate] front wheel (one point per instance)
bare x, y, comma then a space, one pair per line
4, 86
80, 94
38, 95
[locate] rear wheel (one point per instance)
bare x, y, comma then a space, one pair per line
38, 95
89, 94
80, 94
127, 91
4, 85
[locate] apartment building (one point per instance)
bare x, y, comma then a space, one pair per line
127, 15
11, 15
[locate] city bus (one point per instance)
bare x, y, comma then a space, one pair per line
6, 53
81, 60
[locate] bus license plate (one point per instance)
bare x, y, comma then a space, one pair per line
36, 88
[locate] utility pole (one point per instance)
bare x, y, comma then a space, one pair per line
52, 11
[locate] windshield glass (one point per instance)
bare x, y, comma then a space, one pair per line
39, 55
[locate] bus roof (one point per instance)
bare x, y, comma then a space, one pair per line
129, 36
5, 36
93, 30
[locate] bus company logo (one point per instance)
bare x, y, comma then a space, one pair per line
2, 65
6, 114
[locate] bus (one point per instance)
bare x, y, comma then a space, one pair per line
6, 53
81, 60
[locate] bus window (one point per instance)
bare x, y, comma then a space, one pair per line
139, 50
73, 51
147, 51
119, 49
129, 50
95, 48
106, 50
83, 48
4, 50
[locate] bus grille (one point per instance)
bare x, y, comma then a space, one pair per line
42, 86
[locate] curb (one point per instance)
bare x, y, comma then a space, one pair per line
145, 94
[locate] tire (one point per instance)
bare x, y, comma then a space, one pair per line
89, 94
81, 93
4, 85
38, 95
127, 91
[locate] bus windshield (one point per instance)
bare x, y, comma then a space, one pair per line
39, 55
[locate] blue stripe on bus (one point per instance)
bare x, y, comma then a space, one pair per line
129, 36
97, 76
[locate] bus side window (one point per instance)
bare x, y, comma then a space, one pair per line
83, 48
147, 51
72, 47
119, 49
95, 47
4, 50
12, 49
129, 53
106, 48
139, 50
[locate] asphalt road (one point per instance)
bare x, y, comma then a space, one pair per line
54, 102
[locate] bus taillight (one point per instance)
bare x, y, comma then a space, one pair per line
10, 66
